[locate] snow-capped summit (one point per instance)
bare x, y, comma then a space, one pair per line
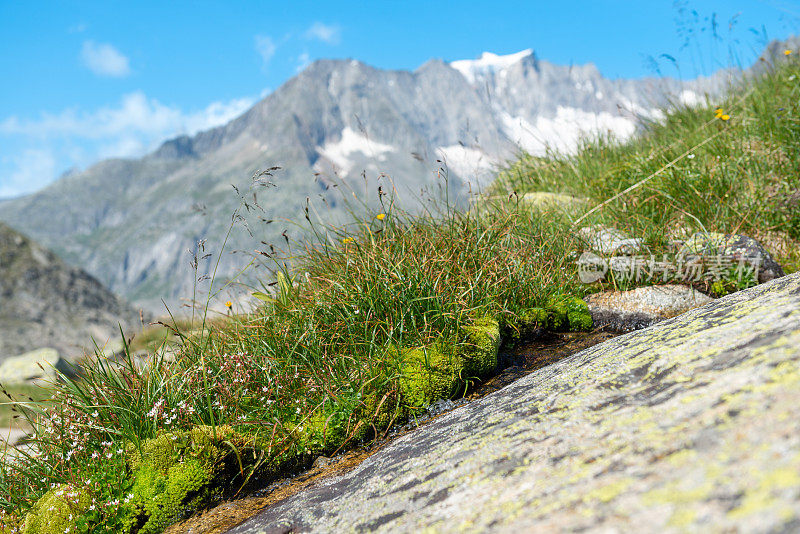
488, 63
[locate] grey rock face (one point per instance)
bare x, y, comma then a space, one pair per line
691, 425
46, 303
624, 311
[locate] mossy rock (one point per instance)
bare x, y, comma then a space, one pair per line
57, 511
163, 495
175, 471
568, 313
477, 355
534, 201
440, 370
429, 374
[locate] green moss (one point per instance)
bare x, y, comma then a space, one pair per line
174, 473
429, 374
380, 409
441, 370
163, 496
57, 511
328, 428
9, 524
477, 355
568, 313
580, 321
533, 318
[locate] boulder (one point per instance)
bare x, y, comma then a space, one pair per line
36, 365
737, 246
607, 241
623, 311
537, 200
547, 200
691, 425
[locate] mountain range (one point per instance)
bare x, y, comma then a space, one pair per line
151, 228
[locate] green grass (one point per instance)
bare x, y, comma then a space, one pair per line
695, 172
377, 319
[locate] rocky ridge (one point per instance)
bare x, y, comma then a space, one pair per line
46, 303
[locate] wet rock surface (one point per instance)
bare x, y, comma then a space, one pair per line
688, 425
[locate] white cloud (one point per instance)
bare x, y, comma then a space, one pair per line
136, 125
34, 169
302, 61
135, 114
265, 47
105, 60
327, 33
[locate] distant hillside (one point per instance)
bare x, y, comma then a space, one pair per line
131, 222
45, 303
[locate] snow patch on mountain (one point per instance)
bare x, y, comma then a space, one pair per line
341, 152
691, 99
471, 164
563, 132
488, 64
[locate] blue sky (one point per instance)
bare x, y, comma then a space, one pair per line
88, 80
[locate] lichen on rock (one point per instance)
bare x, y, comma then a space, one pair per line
688, 426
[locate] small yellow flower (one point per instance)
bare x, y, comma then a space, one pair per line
229, 304
787, 52
347, 240
380, 216
718, 112
725, 117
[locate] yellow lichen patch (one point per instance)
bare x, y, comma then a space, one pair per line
762, 494
675, 492
682, 517
608, 492
682, 457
